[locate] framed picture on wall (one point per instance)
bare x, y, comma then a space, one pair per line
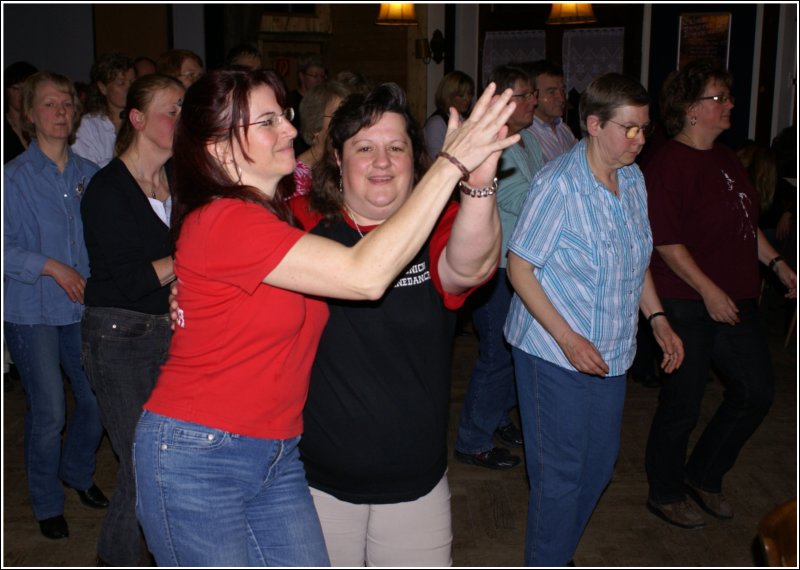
704, 35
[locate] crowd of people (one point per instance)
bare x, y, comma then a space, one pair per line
252, 290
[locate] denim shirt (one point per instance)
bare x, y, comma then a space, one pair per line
41, 220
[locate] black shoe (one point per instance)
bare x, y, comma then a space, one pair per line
495, 458
54, 528
93, 497
510, 435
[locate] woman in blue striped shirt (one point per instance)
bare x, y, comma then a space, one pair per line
578, 262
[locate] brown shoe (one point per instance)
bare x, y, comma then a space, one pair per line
714, 504
682, 514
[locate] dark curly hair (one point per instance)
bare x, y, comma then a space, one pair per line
359, 112
105, 70
683, 87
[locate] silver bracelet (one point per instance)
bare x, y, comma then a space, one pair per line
490, 190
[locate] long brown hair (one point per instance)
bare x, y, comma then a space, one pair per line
214, 110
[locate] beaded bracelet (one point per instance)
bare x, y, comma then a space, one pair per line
490, 190
654, 315
457, 163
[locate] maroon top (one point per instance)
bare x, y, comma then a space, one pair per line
704, 200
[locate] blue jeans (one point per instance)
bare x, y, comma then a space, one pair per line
571, 426
206, 497
741, 354
490, 394
40, 353
123, 352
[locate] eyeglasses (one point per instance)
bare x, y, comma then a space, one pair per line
632, 130
527, 95
191, 75
721, 99
275, 120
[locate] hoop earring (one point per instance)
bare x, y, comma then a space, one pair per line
693, 121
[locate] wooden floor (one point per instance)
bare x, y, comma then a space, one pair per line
489, 506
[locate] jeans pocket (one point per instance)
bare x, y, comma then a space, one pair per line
196, 437
121, 330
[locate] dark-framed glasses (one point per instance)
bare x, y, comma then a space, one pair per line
721, 99
631, 131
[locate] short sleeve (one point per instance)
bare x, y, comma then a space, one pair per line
439, 239
539, 224
235, 242
666, 183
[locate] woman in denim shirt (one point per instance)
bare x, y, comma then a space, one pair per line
44, 272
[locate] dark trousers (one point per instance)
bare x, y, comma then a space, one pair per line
491, 393
122, 353
741, 354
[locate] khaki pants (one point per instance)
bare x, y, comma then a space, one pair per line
414, 533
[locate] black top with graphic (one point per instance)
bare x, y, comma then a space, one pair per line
376, 416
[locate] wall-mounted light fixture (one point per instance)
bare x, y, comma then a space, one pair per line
571, 14
430, 50
396, 14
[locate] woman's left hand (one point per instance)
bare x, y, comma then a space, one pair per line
788, 278
670, 344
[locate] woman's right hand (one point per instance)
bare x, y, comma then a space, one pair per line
484, 132
582, 354
67, 278
720, 307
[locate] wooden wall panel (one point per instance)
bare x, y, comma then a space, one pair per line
133, 29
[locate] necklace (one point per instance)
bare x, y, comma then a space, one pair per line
349, 213
147, 186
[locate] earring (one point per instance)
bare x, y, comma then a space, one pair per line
341, 186
693, 121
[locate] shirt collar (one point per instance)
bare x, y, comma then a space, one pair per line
542, 124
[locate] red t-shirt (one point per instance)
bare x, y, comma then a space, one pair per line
704, 200
242, 358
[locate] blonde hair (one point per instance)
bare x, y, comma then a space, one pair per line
29, 89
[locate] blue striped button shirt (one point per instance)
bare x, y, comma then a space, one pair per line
590, 250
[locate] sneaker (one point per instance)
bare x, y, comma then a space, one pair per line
682, 514
495, 458
510, 435
714, 504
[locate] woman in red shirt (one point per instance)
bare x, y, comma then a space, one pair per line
219, 479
